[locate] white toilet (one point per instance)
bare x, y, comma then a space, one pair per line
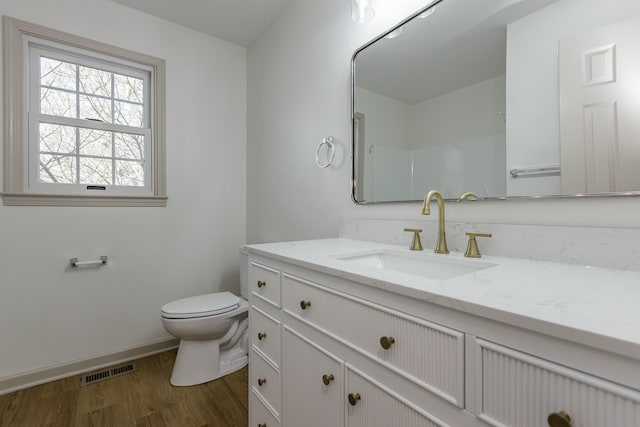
213, 329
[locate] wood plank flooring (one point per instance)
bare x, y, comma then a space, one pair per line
140, 399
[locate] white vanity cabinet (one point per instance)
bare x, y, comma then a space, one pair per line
336, 352
320, 390
265, 396
328, 387
517, 389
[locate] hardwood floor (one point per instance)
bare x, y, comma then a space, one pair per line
139, 399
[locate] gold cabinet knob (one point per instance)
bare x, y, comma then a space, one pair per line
386, 342
354, 398
326, 379
261, 336
262, 283
559, 419
305, 304
262, 381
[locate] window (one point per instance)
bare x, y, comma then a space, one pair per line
84, 124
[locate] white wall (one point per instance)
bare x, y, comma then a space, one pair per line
533, 129
299, 93
386, 124
387, 120
466, 113
412, 148
51, 315
459, 132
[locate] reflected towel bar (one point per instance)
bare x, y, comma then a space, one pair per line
75, 263
535, 170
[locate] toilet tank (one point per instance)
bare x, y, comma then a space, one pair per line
244, 272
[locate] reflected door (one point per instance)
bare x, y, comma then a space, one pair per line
600, 109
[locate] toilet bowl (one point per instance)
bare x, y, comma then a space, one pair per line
213, 332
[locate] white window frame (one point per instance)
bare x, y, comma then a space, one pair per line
23, 44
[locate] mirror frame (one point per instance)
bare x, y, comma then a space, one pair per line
354, 157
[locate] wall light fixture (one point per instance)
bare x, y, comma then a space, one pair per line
362, 11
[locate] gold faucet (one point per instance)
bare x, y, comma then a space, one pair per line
441, 246
468, 195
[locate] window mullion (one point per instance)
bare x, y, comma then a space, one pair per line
113, 134
77, 128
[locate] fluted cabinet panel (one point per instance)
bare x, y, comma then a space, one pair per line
379, 407
428, 354
520, 390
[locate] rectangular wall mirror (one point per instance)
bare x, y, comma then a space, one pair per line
505, 98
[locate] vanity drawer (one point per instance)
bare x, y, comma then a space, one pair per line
520, 390
261, 415
265, 381
265, 334
428, 354
265, 283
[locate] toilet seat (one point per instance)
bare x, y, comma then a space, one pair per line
201, 306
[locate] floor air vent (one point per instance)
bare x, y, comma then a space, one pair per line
108, 373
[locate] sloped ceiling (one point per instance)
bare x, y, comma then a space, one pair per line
236, 21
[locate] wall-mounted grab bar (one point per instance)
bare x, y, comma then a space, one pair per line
75, 263
532, 170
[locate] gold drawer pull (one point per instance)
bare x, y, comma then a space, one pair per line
559, 419
305, 304
354, 398
262, 283
262, 381
261, 336
386, 342
326, 379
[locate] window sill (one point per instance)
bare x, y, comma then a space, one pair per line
24, 199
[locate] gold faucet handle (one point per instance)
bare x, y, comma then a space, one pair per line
416, 244
472, 247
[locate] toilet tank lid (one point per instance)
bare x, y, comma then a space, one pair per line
201, 305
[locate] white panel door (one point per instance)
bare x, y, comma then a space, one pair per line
599, 86
313, 384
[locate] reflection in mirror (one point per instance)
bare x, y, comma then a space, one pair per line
505, 98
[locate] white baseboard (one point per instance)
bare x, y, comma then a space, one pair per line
40, 376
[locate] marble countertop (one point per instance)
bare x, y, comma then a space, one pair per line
597, 307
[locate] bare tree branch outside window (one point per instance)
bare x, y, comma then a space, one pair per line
85, 155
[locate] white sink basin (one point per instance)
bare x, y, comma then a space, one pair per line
426, 265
